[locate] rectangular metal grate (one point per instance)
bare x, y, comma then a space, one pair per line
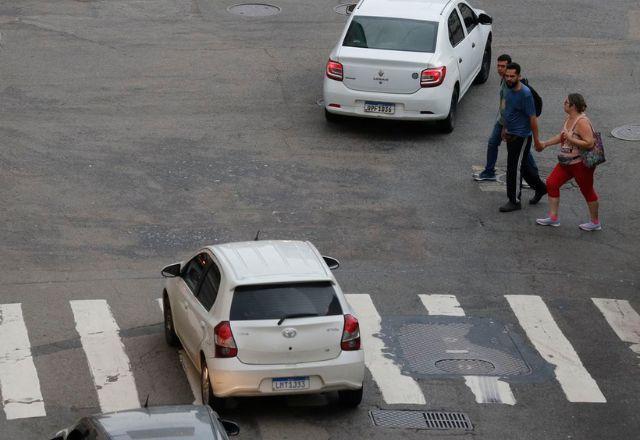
438, 420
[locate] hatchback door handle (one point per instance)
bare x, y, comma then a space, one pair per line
473, 44
185, 304
202, 324
459, 60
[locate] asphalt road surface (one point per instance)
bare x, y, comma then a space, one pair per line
134, 131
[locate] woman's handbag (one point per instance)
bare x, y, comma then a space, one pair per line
595, 156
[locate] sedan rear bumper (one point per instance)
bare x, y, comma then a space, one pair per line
426, 104
230, 377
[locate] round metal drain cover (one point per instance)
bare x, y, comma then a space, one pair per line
629, 132
465, 366
342, 9
254, 9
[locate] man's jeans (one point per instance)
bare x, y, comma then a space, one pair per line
492, 150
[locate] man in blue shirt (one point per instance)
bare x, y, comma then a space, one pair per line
520, 125
489, 172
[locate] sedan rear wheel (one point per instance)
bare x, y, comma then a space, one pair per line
208, 398
483, 75
350, 398
447, 125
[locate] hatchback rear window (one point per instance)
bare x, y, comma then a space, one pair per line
392, 34
274, 301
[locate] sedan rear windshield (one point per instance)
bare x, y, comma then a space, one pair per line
392, 34
274, 301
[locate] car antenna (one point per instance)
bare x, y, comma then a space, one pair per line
146, 402
257, 236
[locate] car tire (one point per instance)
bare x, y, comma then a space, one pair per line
447, 125
169, 330
350, 398
206, 392
483, 74
332, 117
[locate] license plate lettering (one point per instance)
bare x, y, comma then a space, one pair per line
379, 107
290, 383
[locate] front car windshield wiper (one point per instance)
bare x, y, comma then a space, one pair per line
296, 315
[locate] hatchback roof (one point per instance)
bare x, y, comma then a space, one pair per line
162, 422
410, 9
271, 261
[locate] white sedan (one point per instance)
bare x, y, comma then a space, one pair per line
264, 318
407, 59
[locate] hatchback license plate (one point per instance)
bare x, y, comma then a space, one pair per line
290, 383
379, 107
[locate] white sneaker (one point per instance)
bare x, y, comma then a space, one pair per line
548, 222
590, 226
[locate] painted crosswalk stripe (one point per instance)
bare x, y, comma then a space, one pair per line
108, 362
543, 332
193, 377
19, 383
486, 389
395, 387
623, 319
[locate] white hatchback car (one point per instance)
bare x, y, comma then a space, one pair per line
407, 59
264, 318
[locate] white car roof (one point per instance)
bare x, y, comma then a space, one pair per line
410, 9
271, 261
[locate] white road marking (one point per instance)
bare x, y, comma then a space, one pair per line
489, 389
623, 320
395, 387
555, 348
486, 389
447, 305
108, 362
19, 383
193, 377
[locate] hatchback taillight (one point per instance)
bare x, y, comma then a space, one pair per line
223, 338
334, 70
432, 77
351, 334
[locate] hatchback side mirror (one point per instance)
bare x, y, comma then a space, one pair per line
331, 262
171, 271
230, 427
485, 19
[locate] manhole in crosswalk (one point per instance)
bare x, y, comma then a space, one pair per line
254, 9
630, 132
452, 346
439, 420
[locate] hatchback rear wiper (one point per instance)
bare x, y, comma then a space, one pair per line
296, 315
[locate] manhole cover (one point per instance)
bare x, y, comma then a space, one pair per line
254, 9
629, 132
342, 9
465, 366
421, 419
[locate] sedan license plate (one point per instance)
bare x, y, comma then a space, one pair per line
379, 107
290, 383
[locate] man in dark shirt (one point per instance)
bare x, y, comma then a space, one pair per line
520, 125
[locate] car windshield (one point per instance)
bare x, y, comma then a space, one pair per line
392, 34
275, 301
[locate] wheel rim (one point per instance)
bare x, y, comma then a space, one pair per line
204, 384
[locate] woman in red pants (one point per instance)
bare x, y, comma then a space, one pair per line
576, 135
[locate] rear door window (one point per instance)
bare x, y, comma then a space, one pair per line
274, 301
392, 34
456, 33
209, 288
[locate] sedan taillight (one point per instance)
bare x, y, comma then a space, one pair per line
223, 338
432, 77
351, 334
334, 70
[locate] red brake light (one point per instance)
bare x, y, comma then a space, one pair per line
432, 77
334, 70
351, 334
223, 338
